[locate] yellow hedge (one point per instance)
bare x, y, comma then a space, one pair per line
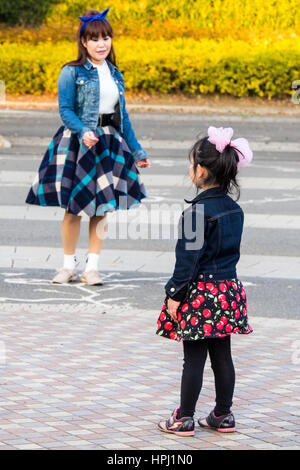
265, 69
169, 19
275, 14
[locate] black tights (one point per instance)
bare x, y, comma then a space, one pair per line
195, 354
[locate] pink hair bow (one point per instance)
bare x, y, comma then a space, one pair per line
221, 137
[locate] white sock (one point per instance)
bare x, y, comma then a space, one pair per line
92, 262
69, 261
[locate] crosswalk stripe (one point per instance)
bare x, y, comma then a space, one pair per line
192, 114
261, 266
10, 178
145, 216
162, 144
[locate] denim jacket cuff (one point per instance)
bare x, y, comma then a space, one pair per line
172, 288
139, 155
82, 132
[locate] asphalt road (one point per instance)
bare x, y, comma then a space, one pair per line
270, 198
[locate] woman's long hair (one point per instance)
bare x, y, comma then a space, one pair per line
93, 29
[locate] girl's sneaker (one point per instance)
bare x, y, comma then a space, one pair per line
223, 423
181, 427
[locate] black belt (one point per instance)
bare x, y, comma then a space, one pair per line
105, 120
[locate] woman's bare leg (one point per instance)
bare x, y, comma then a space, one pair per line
96, 233
70, 229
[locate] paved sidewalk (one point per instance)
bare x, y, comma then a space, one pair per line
89, 377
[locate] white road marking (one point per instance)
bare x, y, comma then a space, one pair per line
145, 218
285, 267
170, 181
148, 144
279, 115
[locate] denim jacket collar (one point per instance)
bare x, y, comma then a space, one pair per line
208, 193
88, 65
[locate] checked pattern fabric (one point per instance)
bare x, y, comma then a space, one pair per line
91, 181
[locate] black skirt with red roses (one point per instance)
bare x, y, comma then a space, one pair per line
210, 310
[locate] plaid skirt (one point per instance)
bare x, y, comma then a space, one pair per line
91, 181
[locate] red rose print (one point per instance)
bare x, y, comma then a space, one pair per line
178, 316
206, 313
196, 303
214, 291
201, 298
201, 286
158, 325
238, 297
164, 306
244, 312
220, 325
163, 316
236, 330
224, 320
222, 297
194, 321
237, 314
228, 283
223, 287
182, 324
224, 305
184, 308
168, 326
233, 304
210, 286
234, 286
228, 328
243, 293
207, 329
173, 335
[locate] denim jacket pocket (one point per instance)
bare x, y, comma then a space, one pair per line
85, 89
81, 89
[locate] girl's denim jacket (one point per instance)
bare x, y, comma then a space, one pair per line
217, 223
78, 99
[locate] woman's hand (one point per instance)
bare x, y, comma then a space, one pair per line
143, 163
172, 308
89, 139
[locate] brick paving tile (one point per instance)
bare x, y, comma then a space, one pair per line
67, 385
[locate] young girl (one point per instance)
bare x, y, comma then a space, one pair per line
206, 301
90, 165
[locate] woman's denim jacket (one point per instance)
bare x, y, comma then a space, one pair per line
215, 225
78, 98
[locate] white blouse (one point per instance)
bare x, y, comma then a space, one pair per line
109, 94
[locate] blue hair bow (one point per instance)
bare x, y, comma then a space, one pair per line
88, 19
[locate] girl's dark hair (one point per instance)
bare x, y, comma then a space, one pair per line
93, 29
221, 167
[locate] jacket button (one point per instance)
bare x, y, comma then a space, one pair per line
172, 289
210, 276
201, 275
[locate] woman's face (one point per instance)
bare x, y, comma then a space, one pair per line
98, 49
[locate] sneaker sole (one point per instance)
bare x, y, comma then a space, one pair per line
217, 429
70, 280
91, 284
178, 433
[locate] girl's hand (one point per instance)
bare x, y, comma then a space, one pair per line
172, 308
89, 139
143, 163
